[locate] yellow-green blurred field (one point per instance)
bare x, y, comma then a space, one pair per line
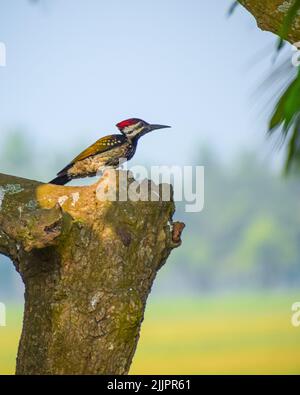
224, 334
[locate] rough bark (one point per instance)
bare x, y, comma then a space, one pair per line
269, 15
88, 266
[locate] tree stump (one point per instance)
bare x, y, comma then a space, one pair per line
88, 266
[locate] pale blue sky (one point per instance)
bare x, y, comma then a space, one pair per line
75, 68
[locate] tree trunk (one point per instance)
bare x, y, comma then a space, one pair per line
269, 15
88, 265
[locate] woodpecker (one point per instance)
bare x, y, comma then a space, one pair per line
107, 151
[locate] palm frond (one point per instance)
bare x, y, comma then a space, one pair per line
286, 117
286, 114
293, 154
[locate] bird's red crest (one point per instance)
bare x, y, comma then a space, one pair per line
127, 122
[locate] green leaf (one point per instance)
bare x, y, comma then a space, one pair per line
287, 116
293, 155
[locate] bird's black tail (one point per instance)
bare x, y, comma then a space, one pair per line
60, 180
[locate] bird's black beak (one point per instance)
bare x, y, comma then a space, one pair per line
154, 127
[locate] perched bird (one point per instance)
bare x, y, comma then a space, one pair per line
107, 151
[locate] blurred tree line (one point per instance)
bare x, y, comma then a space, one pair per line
247, 236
